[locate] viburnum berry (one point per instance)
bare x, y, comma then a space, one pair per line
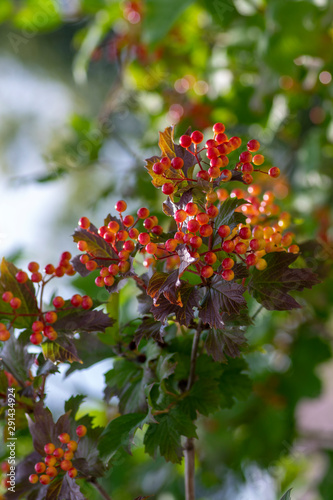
212, 211
72, 445
33, 267
274, 172
171, 245
222, 194
167, 188
247, 168
203, 174
133, 233
255, 244
76, 300
258, 159
187, 237
143, 213
50, 317
124, 266
228, 246
84, 222
235, 142
166, 162
37, 326
68, 455
226, 175
51, 471
128, 220
49, 269
293, 249
4, 335
15, 303
72, 472
58, 453
221, 138
212, 153
149, 223
179, 236
82, 245
245, 157
211, 143
21, 276
253, 145
185, 141
36, 338
180, 216
157, 230
58, 302
218, 128
210, 258
108, 280
197, 137
44, 479
144, 238
81, 430
224, 231
122, 235
244, 233
228, 263
40, 467
286, 240
193, 226
196, 241
64, 437
214, 172
49, 448
207, 271
104, 272
251, 259
177, 163
50, 460
36, 277
113, 269
261, 264
228, 274
33, 478
206, 230
112, 225
123, 255
211, 197
151, 248
240, 248
50, 333
120, 206
158, 168
7, 296
216, 162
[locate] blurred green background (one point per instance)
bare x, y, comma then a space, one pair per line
85, 87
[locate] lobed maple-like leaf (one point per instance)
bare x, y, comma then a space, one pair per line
17, 360
184, 314
164, 283
97, 246
78, 319
90, 350
63, 350
222, 343
271, 287
149, 328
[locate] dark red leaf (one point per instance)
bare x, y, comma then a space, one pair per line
184, 315
149, 328
221, 343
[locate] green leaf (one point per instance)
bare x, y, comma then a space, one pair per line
90, 350
234, 382
16, 359
287, 496
271, 286
112, 333
204, 397
73, 404
63, 350
165, 435
119, 433
228, 216
24, 291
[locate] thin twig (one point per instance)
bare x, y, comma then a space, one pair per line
101, 490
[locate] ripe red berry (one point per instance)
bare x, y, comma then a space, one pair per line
210, 258
166, 161
235, 142
202, 218
82, 245
197, 137
221, 138
157, 230
72, 445
51, 471
108, 280
21, 276
207, 271
49, 269
143, 213
49, 448
58, 452
240, 248
33, 478
206, 230
193, 226
81, 430
212, 152
170, 245
72, 472
245, 157
167, 188
64, 437
120, 206
33, 267
185, 141
228, 246
216, 162
191, 209
68, 455
158, 168
113, 269
196, 241
247, 178
133, 233
212, 211
258, 160
84, 222
211, 143
149, 223
76, 300
128, 220
58, 302
51, 317
214, 172
177, 163
144, 238
224, 231
36, 338
122, 235
7, 296
180, 216
50, 460
228, 274
261, 264
247, 168
4, 335
274, 172
15, 303
124, 266
218, 128
253, 146
228, 263
251, 259
226, 175
37, 326
50, 333
44, 479
293, 249
151, 248
203, 174
244, 233
36, 277
255, 244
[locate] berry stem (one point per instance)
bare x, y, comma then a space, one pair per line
100, 489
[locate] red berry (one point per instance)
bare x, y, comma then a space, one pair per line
72, 445
143, 213
245, 233
228, 274
49, 448
293, 249
51, 317
21, 276
221, 138
122, 235
185, 141
224, 231
33, 267
84, 222
113, 269
50, 460
202, 218
149, 223
36, 277
58, 452
228, 246
72, 472
157, 230
171, 245
44, 479
245, 157
4, 335
15, 303
36, 338
212, 152
247, 178
50, 333
177, 163
68, 455
166, 161
7, 296
191, 209
120, 206
151, 248
210, 258
158, 168
128, 220
240, 248
274, 172
124, 266
251, 259
51, 471
108, 280
218, 128
144, 238
212, 211
133, 233
255, 244
258, 160
167, 188
207, 271
81, 430
206, 230
214, 172
253, 146
235, 142
64, 437
228, 263
33, 478
113, 226
58, 302
37, 326
180, 216
193, 226
82, 245
197, 137
203, 174
247, 168
196, 241
49, 269
76, 300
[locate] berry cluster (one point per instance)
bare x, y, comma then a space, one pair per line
215, 247
42, 326
58, 459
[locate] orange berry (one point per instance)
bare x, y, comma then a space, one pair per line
44, 479
72, 445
